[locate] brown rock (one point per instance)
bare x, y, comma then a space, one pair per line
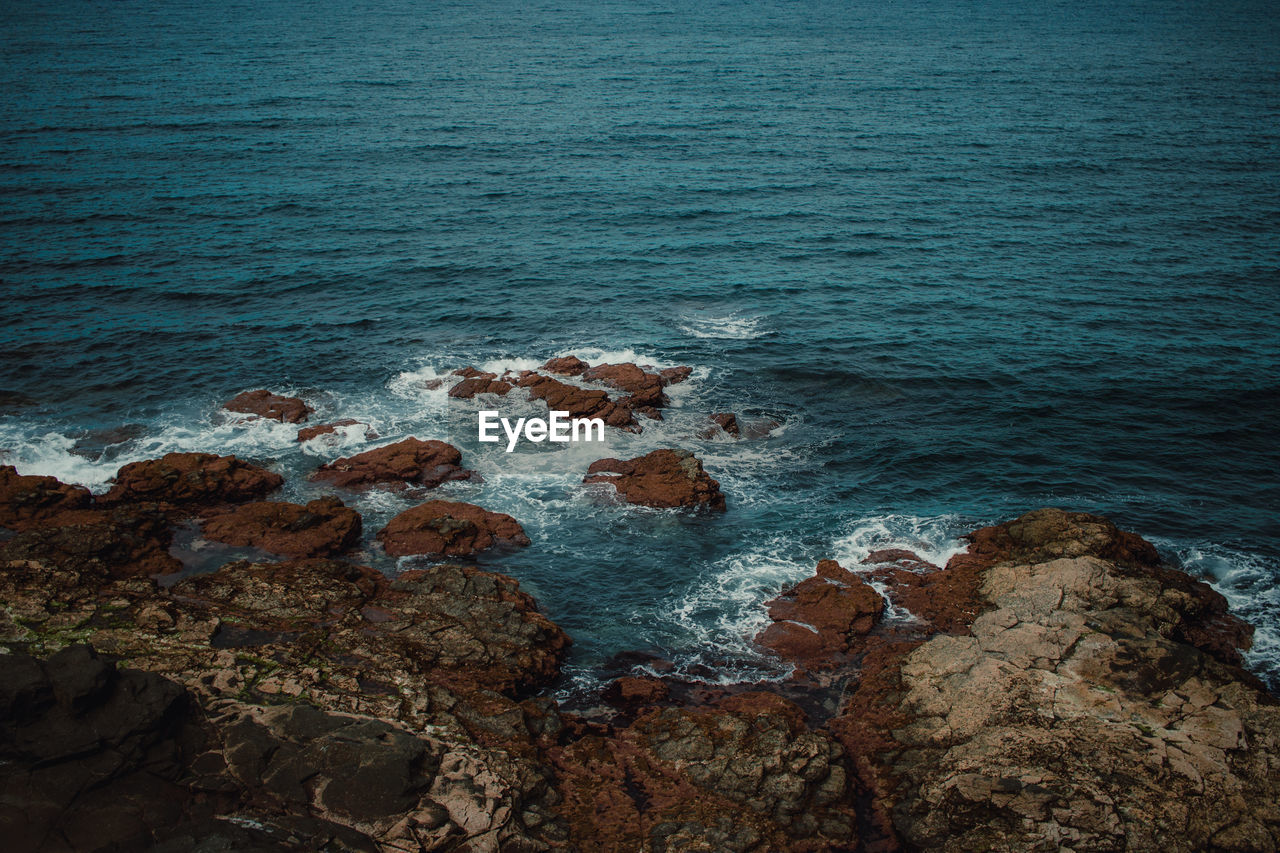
423, 463
308, 433
29, 499
673, 375
322, 528
191, 480
644, 389
569, 365
730, 778
578, 402
448, 527
899, 556
820, 621
120, 542
726, 421
480, 383
632, 691
264, 404
663, 478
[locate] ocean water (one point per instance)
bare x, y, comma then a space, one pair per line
976, 257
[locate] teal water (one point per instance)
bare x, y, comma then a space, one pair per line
977, 257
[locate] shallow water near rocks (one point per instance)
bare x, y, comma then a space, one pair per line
974, 260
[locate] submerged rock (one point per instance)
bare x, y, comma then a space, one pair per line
308, 433
726, 421
191, 481
663, 478
450, 528
411, 461
265, 404
322, 528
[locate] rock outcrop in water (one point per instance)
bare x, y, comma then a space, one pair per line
821, 621
1057, 689
578, 402
450, 528
663, 478
265, 404
411, 461
191, 481
324, 527
308, 433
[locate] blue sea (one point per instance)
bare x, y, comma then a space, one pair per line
976, 258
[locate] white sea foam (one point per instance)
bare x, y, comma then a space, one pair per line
1250, 583
734, 326
935, 539
721, 614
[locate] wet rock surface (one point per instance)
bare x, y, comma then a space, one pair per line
125, 541
578, 402
820, 621
308, 433
411, 461
29, 500
324, 527
265, 404
451, 528
663, 478
479, 382
191, 481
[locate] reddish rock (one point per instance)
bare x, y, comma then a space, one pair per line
569, 365
423, 463
451, 528
28, 499
898, 556
191, 480
468, 372
747, 428
632, 692
674, 375
663, 478
322, 528
308, 433
726, 421
578, 402
644, 389
122, 542
820, 620
757, 703
480, 383
264, 404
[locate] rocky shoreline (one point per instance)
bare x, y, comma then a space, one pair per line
1056, 687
